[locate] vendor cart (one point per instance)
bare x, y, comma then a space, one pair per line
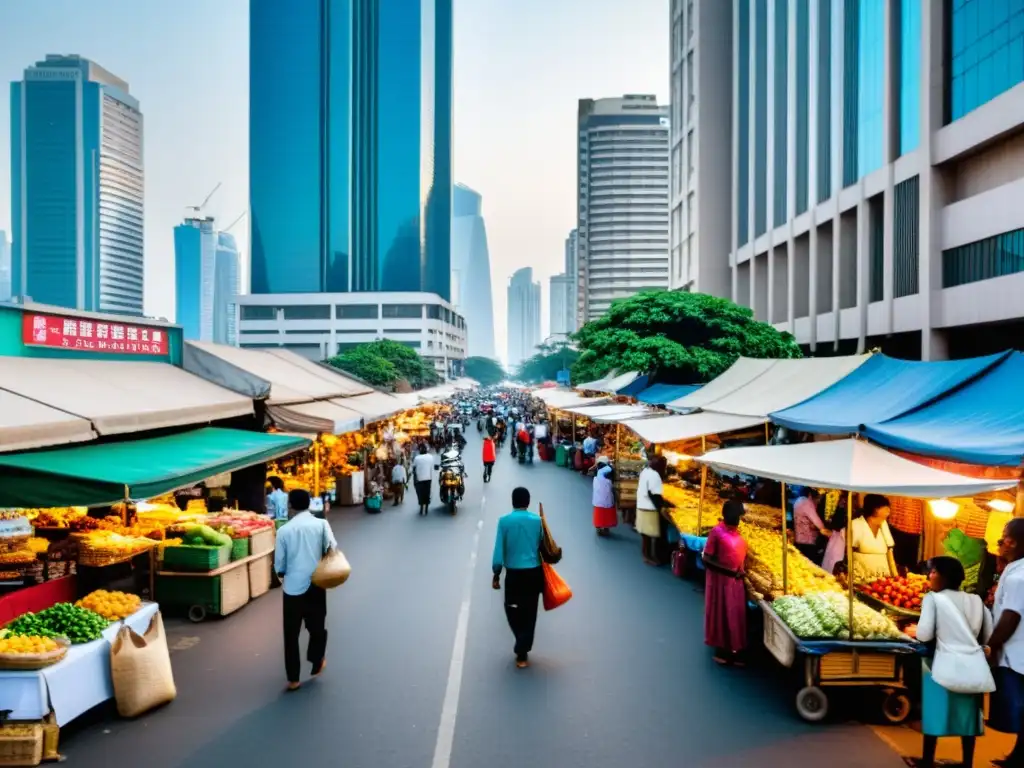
845, 663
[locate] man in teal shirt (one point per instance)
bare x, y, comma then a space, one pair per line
517, 551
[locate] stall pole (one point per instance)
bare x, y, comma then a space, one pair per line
785, 546
124, 512
703, 482
767, 438
849, 554
316, 466
618, 435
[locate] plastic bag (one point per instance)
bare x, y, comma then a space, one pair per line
550, 552
332, 571
556, 591
140, 666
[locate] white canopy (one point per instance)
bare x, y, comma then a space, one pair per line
668, 429
849, 465
611, 383
325, 416
739, 374
26, 424
566, 399
611, 413
117, 396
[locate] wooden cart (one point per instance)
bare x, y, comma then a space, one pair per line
841, 663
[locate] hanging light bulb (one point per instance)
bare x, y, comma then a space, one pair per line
1001, 505
944, 509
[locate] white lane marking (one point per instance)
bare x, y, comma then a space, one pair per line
450, 708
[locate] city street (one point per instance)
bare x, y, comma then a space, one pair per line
421, 672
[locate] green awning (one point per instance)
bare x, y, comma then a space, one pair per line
95, 474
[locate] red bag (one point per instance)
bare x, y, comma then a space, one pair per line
556, 591
679, 563
524, 437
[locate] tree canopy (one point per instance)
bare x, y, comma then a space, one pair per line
547, 362
485, 370
683, 338
383, 363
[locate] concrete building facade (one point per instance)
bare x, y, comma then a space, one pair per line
523, 317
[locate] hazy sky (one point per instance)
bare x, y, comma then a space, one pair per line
520, 66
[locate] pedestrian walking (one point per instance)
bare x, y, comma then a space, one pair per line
605, 515
1005, 647
301, 543
399, 480
277, 499
725, 597
517, 551
959, 622
489, 456
649, 506
422, 472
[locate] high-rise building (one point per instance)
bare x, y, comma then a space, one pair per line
206, 281
350, 141
523, 316
76, 187
876, 166
701, 193
471, 271
5, 267
622, 212
227, 285
571, 272
562, 306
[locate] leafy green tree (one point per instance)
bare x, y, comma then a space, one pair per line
686, 338
383, 363
485, 370
547, 362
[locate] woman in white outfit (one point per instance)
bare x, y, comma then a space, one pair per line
957, 677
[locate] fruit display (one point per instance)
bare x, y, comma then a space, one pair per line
239, 525
54, 518
826, 617
764, 566
79, 625
903, 592
98, 547
28, 644
201, 536
38, 545
111, 605
17, 557
685, 505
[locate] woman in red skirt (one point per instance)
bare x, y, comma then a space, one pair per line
605, 516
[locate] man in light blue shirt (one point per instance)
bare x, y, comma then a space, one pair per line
517, 551
590, 446
301, 542
277, 499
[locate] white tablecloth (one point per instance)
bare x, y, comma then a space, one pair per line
79, 682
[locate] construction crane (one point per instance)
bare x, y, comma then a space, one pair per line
231, 226
197, 209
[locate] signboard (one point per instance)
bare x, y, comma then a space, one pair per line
92, 335
563, 377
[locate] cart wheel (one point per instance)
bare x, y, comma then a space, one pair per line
896, 707
197, 613
812, 704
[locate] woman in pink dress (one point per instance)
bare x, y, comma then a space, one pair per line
725, 607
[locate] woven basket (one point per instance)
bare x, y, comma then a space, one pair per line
24, 661
21, 744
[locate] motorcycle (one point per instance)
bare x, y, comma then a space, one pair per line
480, 425
452, 485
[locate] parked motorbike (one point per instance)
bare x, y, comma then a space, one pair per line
452, 484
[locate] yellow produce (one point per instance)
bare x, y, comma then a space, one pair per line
111, 605
28, 645
764, 564
38, 545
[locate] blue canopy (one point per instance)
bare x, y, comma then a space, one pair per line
637, 385
981, 423
882, 388
663, 394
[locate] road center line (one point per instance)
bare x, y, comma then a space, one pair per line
450, 708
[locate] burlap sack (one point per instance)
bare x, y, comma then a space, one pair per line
140, 666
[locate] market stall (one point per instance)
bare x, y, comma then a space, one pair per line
842, 638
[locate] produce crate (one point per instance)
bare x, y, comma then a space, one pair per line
196, 558
778, 638
262, 541
239, 549
220, 595
259, 575
21, 744
857, 665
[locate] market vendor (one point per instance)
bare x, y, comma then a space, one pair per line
872, 539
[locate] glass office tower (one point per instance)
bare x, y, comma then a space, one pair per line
350, 145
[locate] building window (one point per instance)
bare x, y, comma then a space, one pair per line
906, 234
824, 106
356, 311
986, 52
871, 87
992, 257
689, 20
760, 118
802, 97
434, 311
405, 311
308, 312
691, 97
689, 155
257, 312
851, 21
910, 75
781, 107
324, 331
876, 247
743, 126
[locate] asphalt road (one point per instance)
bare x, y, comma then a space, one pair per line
619, 676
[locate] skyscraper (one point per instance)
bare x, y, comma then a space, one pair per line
622, 211
571, 271
523, 316
76, 187
562, 306
5, 267
206, 281
471, 271
350, 146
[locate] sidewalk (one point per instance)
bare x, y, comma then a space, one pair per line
906, 741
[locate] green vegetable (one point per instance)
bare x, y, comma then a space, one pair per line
79, 625
965, 549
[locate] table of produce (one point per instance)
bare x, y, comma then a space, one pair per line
902, 595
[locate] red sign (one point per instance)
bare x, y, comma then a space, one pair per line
92, 335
